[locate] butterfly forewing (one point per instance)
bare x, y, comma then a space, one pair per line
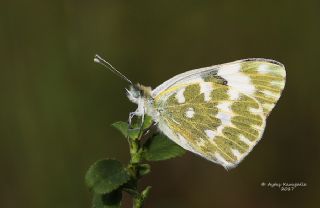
220, 113
260, 78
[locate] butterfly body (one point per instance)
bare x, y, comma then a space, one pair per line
217, 112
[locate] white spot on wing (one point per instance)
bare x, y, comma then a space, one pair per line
190, 113
179, 95
263, 69
246, 140
233, 94
236, 153
219, 129
206, 89
224, 106
225, 114
225, 118
211, 134
238, 80
270, 94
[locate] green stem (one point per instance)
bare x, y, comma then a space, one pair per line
135, 161
135, 152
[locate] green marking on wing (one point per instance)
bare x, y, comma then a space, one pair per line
243, 122
228, 119
268, 79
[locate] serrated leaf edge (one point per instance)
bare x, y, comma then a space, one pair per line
121, 184
172, 156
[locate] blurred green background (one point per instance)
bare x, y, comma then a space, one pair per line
57, 105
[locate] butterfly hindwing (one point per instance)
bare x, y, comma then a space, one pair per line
220, 113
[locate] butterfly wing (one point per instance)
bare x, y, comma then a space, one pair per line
219, 112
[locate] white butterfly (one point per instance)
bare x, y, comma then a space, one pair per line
218, 112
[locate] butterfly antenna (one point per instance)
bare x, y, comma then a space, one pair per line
106, 64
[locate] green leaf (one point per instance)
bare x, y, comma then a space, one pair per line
123, 127
147, 122
145, 193
111, 200
133, 132
161, 148
137, 122
144, 169
105, 176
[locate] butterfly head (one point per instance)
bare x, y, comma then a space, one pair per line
138, 93
141, 95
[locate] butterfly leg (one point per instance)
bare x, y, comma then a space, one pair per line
131, 115
142, 121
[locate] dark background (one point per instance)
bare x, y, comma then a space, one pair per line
57, 105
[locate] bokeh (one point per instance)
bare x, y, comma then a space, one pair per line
57, 105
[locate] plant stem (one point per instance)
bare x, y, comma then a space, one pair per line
135, 161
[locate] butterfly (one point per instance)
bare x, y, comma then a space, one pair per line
218, 112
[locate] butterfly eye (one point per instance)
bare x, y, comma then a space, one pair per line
137, 94
134, 92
